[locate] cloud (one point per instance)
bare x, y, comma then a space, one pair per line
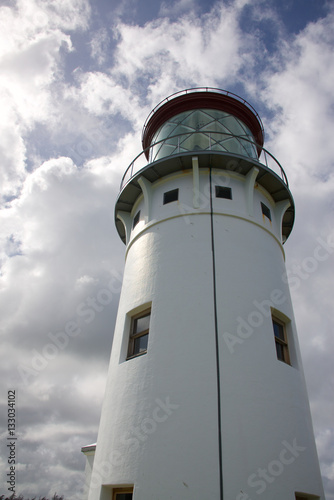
175, 9
58, 235
187, 49
60, 14
31, 43
100, 44
66, 139
299, 81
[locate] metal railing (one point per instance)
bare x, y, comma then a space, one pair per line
202, 89
141, 162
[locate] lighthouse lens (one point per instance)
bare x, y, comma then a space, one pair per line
203, 129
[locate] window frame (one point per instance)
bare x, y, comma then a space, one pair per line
136, 335
120, 491
282, 342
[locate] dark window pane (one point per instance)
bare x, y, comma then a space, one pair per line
279, 330
141, 324
266, 210
170, 196
280, 351
136, 219
223, 192
123, 496
140, 344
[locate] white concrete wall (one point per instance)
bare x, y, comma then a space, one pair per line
88, 470
159, 424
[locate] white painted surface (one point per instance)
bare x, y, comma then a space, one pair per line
89, 454
159, 424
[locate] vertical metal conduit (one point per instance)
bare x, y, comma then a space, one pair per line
221, 482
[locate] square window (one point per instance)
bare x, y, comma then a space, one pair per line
223, 192
266, 210
171, 196
122, 493
140, 325
136, 219
281, 341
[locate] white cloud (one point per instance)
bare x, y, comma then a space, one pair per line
58, 234
187, 50
100, 45
102, 95
174, 9
61, 14
31, 40
302, 93
59, 246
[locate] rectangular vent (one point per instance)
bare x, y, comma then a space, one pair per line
266, 210
223, 192
171, 196
136, 219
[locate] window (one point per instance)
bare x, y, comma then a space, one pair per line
223, 192
122, 493
170, 196
266, 210
140, 325
136, 219
281, 341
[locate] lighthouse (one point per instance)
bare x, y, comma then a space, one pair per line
205, 396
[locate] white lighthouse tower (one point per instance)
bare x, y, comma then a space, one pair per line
205, 397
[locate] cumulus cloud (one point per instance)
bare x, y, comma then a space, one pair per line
187, 49
58, 237
302, 91
66, 139
100, 44
31, 42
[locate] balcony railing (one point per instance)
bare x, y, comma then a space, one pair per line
141, 162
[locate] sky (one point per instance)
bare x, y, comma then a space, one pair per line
77, 80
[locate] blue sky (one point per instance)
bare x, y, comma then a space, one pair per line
78, 80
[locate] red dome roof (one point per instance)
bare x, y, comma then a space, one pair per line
203, 98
